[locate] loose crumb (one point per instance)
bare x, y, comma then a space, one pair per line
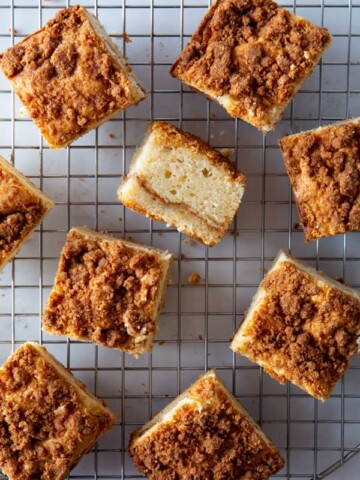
188, 242
13, 31
194, 279
340, 279
182, 256
111, 135
200, 337
234, 233
120, 219
127, 38
213, 116
161, 342
296, 225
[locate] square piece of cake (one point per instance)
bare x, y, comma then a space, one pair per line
302, 327
177, 178
251, 56
70, 76
204, 433
22, 207
48, 419
108, 291
324, 170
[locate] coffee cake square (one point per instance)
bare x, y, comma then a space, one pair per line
108, 291
48, 419
22, 207
204, 433
70, 76
177, 178
251, 56
324, 169
302, 326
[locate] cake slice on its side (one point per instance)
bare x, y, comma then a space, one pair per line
177, 178
204, 433
324, 169
48, 419
251, 57
302, 326
108, 291
70, 76
22, 208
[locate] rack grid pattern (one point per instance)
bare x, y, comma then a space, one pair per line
198, 320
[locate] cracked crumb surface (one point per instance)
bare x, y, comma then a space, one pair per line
107, 292
301, 330
324, 170
253, 53
21, 209
223, 441
68, 78
46, 422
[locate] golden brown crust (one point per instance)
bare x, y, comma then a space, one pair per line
45, 428
67, 78
105, 292
302, 331
218, 442
21, 210
168, 134
324, 169
253, 51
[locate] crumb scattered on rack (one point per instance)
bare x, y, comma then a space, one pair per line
182, 256
296, 225
234, 233
340, 279
213, 116
111, 135
161, 342
194, 279
13, 31
200, 337
127, 38
120, 219
226, 152
188, 242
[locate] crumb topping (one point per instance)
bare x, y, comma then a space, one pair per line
20, 212
324, 168
66, 77
44, 426
217, 443
303, 332
254, 51
105, 293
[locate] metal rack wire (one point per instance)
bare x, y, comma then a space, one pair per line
198, 320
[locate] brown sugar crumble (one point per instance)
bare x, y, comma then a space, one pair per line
194, 279
223, 442
253, 51
302, 331
67, 77
20, 211
324, 170
45, 424
105, 292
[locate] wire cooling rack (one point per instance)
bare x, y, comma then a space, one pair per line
198, 320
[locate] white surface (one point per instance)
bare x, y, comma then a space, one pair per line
198, 320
